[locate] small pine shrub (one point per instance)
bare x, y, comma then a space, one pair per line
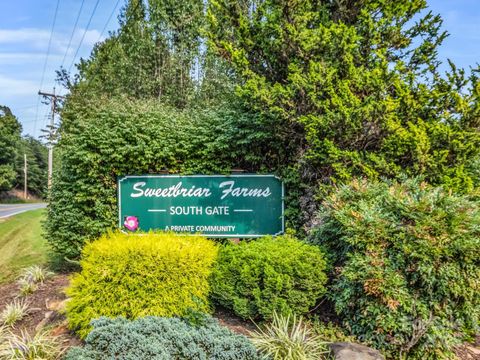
289, 338
280, 274
406, 265
133, 276
162, 339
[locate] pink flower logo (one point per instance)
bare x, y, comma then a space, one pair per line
131, 223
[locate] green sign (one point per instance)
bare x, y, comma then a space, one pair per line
216, 206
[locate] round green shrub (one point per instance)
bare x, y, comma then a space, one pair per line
407, 270
280, 274
139, 275
162, 339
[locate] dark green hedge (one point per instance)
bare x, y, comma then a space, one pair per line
102, 140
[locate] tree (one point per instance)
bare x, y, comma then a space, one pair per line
355, 85
156, 53
37, 163
10, 130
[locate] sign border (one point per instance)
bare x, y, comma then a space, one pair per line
122, 178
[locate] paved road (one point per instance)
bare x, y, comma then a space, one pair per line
7, 210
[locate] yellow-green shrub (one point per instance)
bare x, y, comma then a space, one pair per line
162, 274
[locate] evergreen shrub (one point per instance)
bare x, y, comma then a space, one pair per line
255, 279
132, 276
101, 140
406, 270
162, 339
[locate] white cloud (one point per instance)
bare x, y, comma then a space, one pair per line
16, 87
17, 58
23, 35
37, 39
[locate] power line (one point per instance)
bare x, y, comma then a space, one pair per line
51, 136
46, 61
106, 24
73, 32
108, 20
84, 33
115, 39
25, 107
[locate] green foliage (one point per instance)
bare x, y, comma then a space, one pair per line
102, 140
354, 87
133, 275
407, 271
330, 332
37, 165
287, 338
10, 130
11, 157
157, 53
162, 339
280, 274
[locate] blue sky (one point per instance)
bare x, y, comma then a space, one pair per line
25, 32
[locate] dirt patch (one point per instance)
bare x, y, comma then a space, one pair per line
469, 351
233, 322
46, 308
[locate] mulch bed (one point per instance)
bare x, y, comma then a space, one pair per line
47, 303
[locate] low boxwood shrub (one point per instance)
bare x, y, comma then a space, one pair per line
162, 339
131, 275
406, 270
280, 274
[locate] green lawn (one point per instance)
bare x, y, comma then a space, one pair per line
21, 243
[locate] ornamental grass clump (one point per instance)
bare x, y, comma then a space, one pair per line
26, 287
129, 275
39, 346
254, 279
35, 274
14, 312
406, 270
289, 338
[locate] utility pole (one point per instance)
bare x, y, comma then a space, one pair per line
25, 173
53, 99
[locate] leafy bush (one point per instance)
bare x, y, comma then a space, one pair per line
331, 332
407, 270
340, 92
162, 339
281, 274
288, 338
101, 140
138, 275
